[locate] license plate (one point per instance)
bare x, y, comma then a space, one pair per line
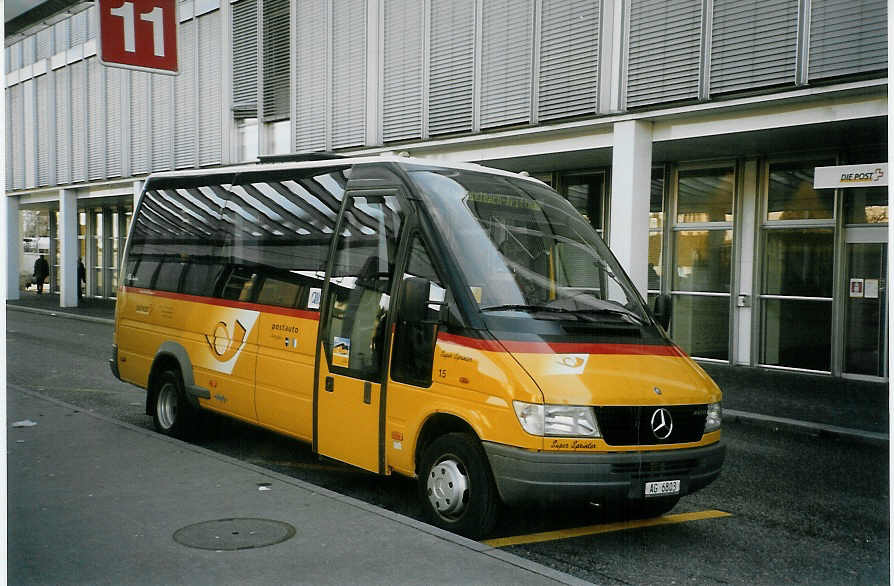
662, 488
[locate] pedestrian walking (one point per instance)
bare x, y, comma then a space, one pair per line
82, 278
41, 272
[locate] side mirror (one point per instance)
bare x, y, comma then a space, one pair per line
415, 337
414, 302
662, 311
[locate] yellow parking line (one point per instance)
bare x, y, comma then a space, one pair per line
606, 528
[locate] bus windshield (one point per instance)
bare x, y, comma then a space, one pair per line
524, 248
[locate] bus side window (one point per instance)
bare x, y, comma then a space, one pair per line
169, 272
201, 278
239, 285
414, 344
279, 290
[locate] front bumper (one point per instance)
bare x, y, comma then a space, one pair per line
524, 476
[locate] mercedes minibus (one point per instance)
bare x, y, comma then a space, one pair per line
456, 324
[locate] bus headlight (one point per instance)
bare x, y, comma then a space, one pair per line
557, 420
714, 417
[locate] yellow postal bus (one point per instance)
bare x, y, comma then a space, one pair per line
455, 324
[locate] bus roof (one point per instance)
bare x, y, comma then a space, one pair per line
335, 162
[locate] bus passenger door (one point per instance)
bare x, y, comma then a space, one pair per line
349, 405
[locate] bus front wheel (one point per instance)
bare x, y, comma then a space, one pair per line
170, 411
456, 486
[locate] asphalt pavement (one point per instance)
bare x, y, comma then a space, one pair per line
815, 404
157, 511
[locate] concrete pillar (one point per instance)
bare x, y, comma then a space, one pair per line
91, 243
747, 298
631, 186
13, 247
53, 286
107, 252
122, 237
68, 243
137, 191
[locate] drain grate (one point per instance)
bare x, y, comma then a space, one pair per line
234, 534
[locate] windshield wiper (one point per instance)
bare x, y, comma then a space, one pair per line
524, 307
603, 310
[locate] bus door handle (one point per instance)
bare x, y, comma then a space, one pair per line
330, 384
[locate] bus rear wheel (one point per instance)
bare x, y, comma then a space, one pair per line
456, 486
171, 414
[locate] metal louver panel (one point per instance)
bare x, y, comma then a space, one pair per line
63, 126
245, 58
60, 36
162, 125
44, 43
14, 57
79, 28
91, 22
847, 37
44, 130
29, 50
185, 96
95, 120
8, 139
665, 51
506, 62
78, 121
348, 73
311, 32
114, 81
210, 126
30, 121
402, 83
17, 123
569, 58
139, 122
754, 44
452, 68
276, 59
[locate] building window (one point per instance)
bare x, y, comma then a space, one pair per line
702, 243
586, 192
656, 233
276, 59
866, 205
797, 276
245, 58
247, 131
279, 137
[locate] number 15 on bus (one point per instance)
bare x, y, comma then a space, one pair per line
139, 34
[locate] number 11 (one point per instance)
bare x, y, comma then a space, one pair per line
154, 16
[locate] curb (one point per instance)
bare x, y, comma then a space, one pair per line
818, 429
67, 315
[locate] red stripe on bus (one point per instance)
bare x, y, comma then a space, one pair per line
286, 311
521, 347
489, 345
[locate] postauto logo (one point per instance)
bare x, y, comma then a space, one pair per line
223, 343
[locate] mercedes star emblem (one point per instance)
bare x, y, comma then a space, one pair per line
662, 423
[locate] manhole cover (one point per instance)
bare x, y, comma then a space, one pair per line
234, 534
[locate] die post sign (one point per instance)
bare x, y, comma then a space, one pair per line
139, 34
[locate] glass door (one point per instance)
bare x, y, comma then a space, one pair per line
865, 316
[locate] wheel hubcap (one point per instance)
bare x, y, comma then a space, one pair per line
166, 406
448, 488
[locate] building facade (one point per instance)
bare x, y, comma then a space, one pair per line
687, 131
